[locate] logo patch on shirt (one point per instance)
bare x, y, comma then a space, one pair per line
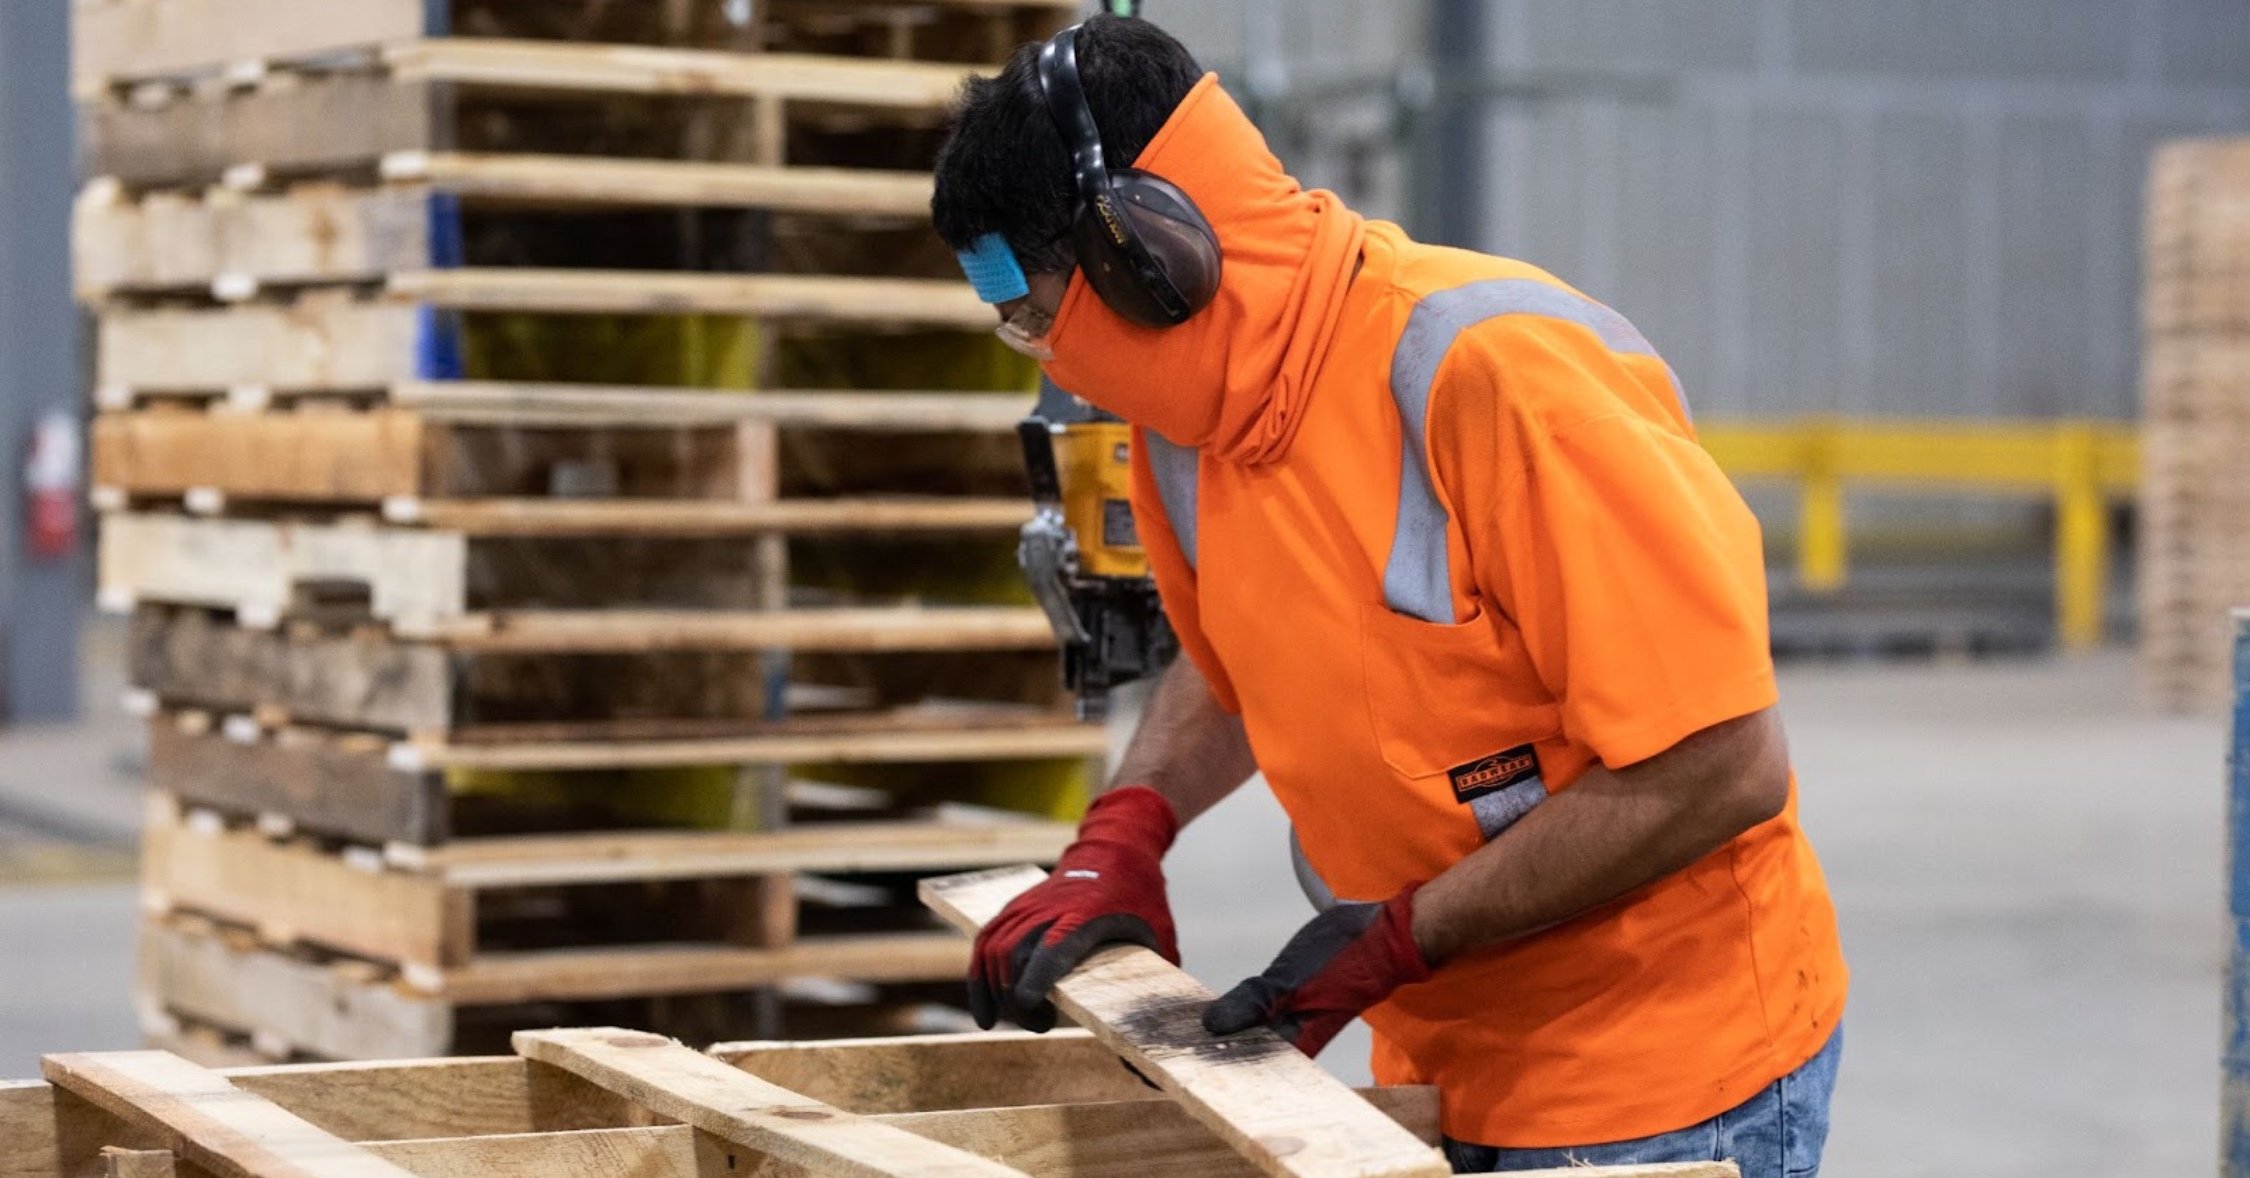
1492, 774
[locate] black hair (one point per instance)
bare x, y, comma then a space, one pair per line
1004, 168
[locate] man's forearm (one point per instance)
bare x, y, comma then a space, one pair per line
1609, 833
1187, 747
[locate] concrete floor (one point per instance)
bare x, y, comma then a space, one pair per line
2027, 869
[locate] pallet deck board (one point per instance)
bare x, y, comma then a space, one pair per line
1265, 1097
674, 1081
501, 178
934, 302
208, 1121
590, 1113
590, 404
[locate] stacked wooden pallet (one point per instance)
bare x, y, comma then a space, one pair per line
2195, 405
544, 552
606, 1101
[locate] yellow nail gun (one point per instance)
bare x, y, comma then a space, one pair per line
1083, 557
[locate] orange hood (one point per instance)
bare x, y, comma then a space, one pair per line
1235, 377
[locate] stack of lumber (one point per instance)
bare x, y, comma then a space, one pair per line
2195, 406
563, 495
607, 1101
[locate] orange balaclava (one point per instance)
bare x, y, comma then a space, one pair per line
1233, 378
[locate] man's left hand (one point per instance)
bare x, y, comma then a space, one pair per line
1345, 960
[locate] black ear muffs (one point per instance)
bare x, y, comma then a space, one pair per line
1144, 247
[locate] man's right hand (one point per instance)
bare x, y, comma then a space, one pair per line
1107, 888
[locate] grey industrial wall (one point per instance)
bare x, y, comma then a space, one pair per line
1894, 207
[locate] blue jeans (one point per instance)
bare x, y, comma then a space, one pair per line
1777, 1133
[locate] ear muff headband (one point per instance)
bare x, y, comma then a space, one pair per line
1121, 212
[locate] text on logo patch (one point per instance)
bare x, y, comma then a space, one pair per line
1494, 773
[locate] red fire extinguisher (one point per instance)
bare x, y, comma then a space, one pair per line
51, 476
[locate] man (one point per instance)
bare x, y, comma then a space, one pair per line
1450, 568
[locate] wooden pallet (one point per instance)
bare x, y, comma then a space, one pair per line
2193, 563
118, 42
612, 1102
518, 96
598, 673
372, 789
482, 474
584, 916
221, 998
442, 209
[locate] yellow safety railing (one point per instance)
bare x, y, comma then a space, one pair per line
2079, 464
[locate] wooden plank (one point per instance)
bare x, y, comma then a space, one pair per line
562, 181
360, 678
312, 456
910, 301
324, 340
1265, 1098
323, 123
237, 242
933, 1073
640, 970
591, 404
298, 893
894, 628
208, 1121
609, 856
333, 1010
137, 1163
122, 41
335, 784
675, 1081
1020, 739
547, 517
256, 567
639, 69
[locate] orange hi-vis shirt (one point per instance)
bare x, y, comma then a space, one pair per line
1438, 527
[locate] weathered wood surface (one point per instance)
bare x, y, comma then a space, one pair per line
467, 1118
297, 893
257, 568
674, 1081
914, 301
342, 1010
574, 181
360, 678
347, 121
588, 404
205, 1119
336, 784
799, 517
236, 242
321, 123
922, 87
615, 856
1269, 1101
319, 457
935, 1073
124, 40
891, 628
874, 740
694, 968
324, 340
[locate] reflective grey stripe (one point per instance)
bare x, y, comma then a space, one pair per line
1497, 811
1175, 471
1416, 580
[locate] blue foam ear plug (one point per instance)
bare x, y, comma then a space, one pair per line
993, 270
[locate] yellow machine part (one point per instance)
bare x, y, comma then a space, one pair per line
1093, 459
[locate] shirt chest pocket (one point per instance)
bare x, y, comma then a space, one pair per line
1460, 705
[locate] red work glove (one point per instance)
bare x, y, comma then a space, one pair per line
1107, 888
1342, 962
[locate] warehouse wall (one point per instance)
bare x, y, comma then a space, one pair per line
1919, 206
1911, 207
